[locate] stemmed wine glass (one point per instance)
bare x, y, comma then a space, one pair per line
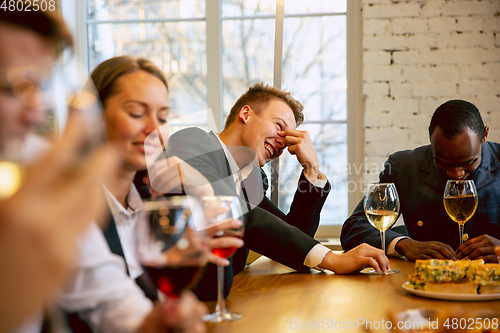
233, 211
170, 244
460, 202
381, 205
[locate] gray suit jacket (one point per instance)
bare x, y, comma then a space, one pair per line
420, 187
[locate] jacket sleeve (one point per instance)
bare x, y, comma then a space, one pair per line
306, 206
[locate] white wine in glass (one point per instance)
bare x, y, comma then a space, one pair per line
381, 205
460, 202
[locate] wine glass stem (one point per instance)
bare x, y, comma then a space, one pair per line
221, 305
461, 232
382, 237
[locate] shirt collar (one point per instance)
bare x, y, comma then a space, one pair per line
235, 169
134, 202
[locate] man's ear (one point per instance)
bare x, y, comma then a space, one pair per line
244, 114
486, 130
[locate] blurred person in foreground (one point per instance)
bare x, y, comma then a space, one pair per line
458, 150
60, 195
135, 97
40, 221
260, 127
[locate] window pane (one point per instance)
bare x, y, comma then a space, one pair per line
177, 48
247, 56
314, 65
248, 7
314, 6
144, 9
331, 146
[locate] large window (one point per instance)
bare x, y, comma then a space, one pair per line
175, 35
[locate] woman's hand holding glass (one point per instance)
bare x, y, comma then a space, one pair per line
218, 242
221, 212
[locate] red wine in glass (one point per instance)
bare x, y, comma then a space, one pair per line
232, 204
170, 224
172, 280
225, 252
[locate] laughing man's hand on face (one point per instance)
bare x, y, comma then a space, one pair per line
299, 143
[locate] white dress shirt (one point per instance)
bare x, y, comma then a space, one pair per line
125, 221
318, 252
391, 248
100, 290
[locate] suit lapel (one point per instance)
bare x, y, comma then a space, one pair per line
434, 177
115, 245
111, 235
226, 168
489, 163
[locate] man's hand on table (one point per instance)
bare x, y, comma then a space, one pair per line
414, 250
356, 259
482, 247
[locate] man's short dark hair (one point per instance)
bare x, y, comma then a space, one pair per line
454, 116
46, 23
259, 95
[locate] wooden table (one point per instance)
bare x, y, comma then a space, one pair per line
273, 298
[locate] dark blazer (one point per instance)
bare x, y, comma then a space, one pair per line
420, 187
286, 238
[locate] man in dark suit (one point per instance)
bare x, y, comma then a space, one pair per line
260, 127
458, 150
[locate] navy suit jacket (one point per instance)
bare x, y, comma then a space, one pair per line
286, 238
420, 187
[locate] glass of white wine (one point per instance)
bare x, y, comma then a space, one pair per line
460, 202
381, 205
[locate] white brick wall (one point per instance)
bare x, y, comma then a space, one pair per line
419, 54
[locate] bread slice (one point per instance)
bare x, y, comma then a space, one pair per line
489, 289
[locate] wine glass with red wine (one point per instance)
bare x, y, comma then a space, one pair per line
171, 244
233, 210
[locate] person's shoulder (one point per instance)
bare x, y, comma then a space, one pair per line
495, 147
412, 154
192, 141
190, 132
190, 136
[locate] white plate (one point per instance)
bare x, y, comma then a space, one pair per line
451, 297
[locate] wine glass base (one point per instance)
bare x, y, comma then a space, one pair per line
218, 317
389, 271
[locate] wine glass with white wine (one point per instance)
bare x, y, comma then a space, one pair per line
460, 202
381, 205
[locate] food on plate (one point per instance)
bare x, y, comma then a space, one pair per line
415, 282
456, 277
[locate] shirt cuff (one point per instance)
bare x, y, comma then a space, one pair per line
318, 182
316, 255
391, 249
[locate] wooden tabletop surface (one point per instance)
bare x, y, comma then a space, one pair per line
273, 298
